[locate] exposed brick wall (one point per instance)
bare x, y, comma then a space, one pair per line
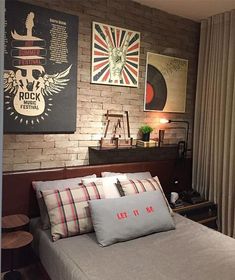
160, 33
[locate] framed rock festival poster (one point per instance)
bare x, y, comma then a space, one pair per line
115, 55
40, 70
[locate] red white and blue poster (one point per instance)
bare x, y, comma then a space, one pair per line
40, 76
115, 55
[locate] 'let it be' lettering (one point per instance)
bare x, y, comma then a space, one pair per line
135, 212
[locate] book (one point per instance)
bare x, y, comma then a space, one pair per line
146, 144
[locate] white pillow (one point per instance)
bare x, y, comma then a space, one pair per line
109, 184
132, 176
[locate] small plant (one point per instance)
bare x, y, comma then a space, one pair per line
146, 129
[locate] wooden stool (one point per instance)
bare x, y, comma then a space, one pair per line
12, 241
14, 221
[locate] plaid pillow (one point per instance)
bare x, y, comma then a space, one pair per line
68, 209
145, 185
40, 186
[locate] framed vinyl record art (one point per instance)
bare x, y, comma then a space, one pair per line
166, 83
115, 55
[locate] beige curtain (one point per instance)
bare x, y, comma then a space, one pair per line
214, 128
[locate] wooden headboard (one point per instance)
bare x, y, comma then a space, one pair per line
19, 196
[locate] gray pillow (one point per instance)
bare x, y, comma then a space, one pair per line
53, 185
129, 217
132, 176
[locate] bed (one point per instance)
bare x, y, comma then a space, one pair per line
191, 251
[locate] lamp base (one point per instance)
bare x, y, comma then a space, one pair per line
12, 275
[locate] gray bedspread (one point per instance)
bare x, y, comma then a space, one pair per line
191, 252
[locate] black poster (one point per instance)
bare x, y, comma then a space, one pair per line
40, 77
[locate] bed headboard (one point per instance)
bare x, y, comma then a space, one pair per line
19, 196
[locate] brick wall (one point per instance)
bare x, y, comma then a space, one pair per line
160, 33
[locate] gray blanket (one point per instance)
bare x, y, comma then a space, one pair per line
191, 252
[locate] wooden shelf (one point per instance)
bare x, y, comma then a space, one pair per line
208, 220
204, 213
99, 155
188, 206
164, 147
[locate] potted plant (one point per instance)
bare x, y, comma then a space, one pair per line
146, 130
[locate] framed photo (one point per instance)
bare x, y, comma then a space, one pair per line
115, 55
40, 76
165, 84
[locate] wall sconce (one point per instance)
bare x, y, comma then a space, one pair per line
182, 145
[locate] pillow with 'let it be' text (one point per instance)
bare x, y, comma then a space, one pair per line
129, 217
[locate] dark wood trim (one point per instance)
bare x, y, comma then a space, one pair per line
19, 196
204, 213
188, 206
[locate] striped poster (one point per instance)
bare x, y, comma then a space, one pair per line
115, 55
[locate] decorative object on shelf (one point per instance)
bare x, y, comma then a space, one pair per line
40, 77
161, 137
166, 82
175, 201
192, 196
182, 145
146, 144
115, 55
146, 130
117, 131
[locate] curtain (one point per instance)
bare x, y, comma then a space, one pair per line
214, 127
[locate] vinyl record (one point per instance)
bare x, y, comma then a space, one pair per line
156, 90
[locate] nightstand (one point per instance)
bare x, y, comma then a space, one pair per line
204, 213
12, 241
13, 222
14, 238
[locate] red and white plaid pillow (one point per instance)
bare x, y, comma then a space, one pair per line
68, 209
145, 185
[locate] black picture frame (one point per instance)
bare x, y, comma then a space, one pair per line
40, 76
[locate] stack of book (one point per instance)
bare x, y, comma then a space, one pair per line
146, 144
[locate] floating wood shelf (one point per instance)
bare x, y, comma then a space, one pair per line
99, 155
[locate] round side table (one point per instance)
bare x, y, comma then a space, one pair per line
12, 241
14, 221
